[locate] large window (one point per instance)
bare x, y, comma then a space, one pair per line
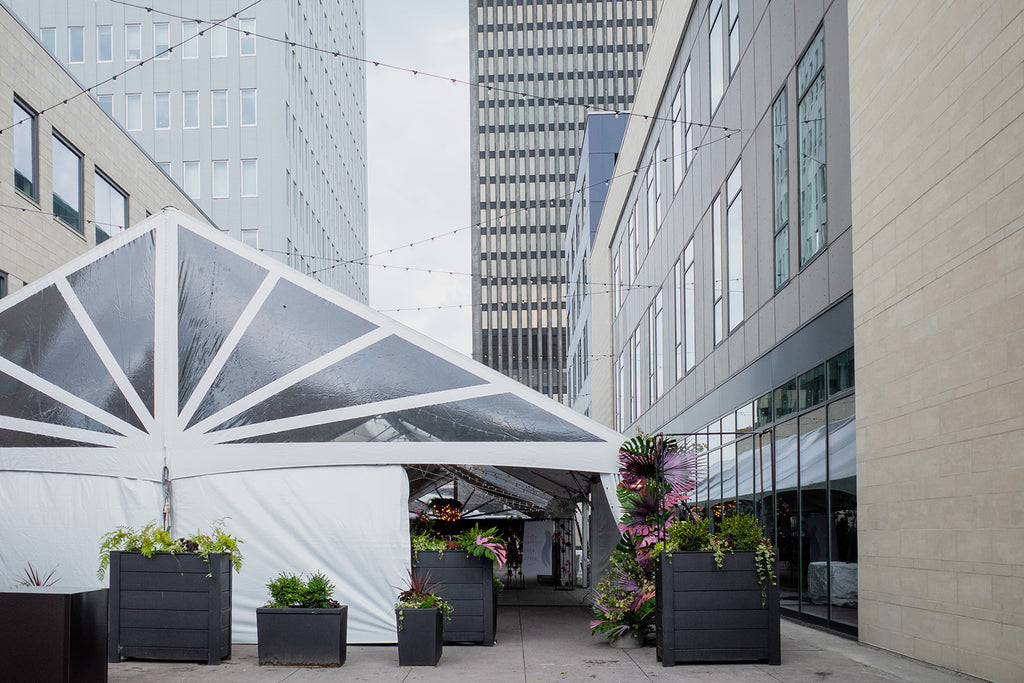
219, 108
162, 111
251, 238
677, 138
104, 44
106, 103
133, 111
246, 41
780, 185
247, 107
190, 179
716, 51
717, 266
656, 344
220, 179
811, 115
617, 280
652, 206
249, 178
25, 150
219, 41
689, 304
734, 237
734, 35
67, 183
677, 287
634, 246
634, 397
190, 109
132, 42
688, 115
76, 44
111, 208
3, 284
48, 37
161, 40
190, 40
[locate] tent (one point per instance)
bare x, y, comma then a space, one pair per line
174, 374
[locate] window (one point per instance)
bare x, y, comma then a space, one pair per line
249, 180
190, 109
76, 44
25, 151
652, 210
106, 103
688, 115
162, 40
251, 238
734, 35
634, 246
656, 344
162, 111
219, 41
718, 304
621, 389
617, 280
132, 42
247, 107
734, 237
190, 40
67, 183
111, 208
3, 284
677, 138
657, 185
165, 166
634, 396
191, 179
246, 41
133, 111
48, 37
689, 303
104, 44
716, 54
219, 108
810, 78
220, 179
780, 187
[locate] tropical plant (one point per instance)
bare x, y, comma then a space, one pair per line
624, 599
487, 543
34, 578
290, 590
421, 593
151, 538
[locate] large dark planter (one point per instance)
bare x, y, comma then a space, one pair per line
467, 584
419, 636
166, 607
707, 614
302, 637
53, 634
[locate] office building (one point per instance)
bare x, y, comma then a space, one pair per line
268, 138
539, 67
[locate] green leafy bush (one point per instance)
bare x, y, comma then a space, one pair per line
153, 539
742, 531
290, 590
692, 534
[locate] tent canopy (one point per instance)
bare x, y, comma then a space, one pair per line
174, 365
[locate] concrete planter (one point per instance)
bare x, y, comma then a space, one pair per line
466, 583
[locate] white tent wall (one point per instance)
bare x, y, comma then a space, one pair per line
55, 521
352, 523
604, 526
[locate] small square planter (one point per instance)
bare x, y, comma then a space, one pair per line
707, 614
302, 637
467, 584
420, 636
167, 607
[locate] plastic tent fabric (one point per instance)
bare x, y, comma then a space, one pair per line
266, 398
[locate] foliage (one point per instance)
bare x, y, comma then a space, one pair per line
290, 590
425, 540
151, 538
624, 599
484, 543
742, 531
498, 585
34, 578
421, 593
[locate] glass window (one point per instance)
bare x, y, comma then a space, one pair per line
688, 115
104, 44
67, 183
25, 150
247, 107
132, 42
162, 111
220, 179
656, 344
48, 37
246, 41
251, 238
786, 399
652, 217
190, 40
780, 185
840, 373
106, 103
677, 138
787, 514
677, 282
249, 179
3, 284
763, 410
718, 306
165, 166
842, 476
190, 109
111, 208
161, 40
219, 108
812, 387
191, 179
734, 235
689, 301
734, 35
814, 522
811, 115
76, 44
133, 111
717, 56
219, 41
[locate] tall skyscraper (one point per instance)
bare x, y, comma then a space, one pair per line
268, 138
540, 67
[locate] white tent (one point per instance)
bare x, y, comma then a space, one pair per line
172, 370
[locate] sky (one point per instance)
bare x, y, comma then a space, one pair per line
418, 165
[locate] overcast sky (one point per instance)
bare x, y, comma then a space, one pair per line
418, 164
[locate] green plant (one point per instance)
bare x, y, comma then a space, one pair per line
425, 540
498, 585
420, 593
290, 590
487, 543
623, 601
742, 531
151, 538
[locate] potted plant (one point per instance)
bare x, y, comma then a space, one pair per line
717, 595
169, 598
623, 603
463, 569
302, 625
420, 613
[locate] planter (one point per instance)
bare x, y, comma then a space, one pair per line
707, 614
166, 607
420, 636
467, 584
302, 637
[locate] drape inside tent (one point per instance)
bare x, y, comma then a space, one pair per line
269, 399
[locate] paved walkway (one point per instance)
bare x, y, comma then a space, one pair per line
553, 643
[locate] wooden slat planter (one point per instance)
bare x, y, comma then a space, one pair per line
465, 582
166, 607
707, 614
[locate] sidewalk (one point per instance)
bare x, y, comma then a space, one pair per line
553, 643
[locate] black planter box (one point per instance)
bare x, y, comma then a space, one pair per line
467, 584
302, 637
707, 614
53, 634
166, 607
419, 636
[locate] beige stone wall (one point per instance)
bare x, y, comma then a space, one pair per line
937, 130
32, 241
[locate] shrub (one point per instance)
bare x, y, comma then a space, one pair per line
290, 590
